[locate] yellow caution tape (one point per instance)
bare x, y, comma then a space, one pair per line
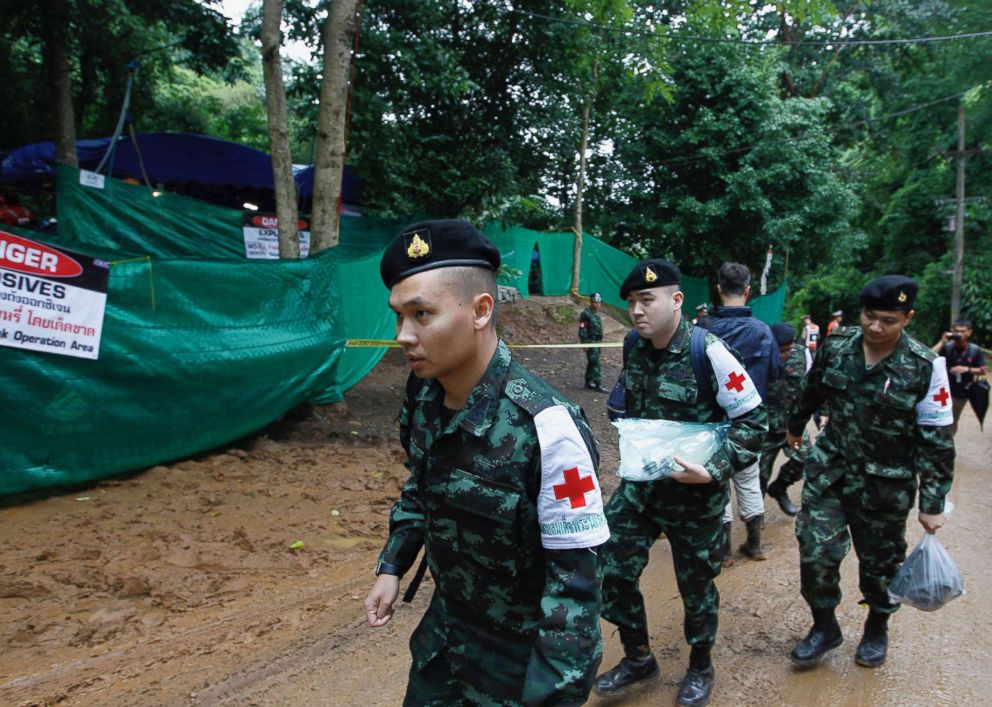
390, 343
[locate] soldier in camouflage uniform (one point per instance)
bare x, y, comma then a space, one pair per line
591, 331
502, 494
782, 395
890, 418
688, 506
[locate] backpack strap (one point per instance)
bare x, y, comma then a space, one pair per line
628, 344
701, 365
616, 403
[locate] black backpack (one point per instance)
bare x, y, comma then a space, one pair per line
616, 404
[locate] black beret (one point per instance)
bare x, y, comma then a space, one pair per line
436, 244
654, 272
783, 333
890, 293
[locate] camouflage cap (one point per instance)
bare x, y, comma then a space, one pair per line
595, 297
890, 293
654, 272
436, 244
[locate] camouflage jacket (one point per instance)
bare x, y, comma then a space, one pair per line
505, 499
783, 393
890, 421
590, 326
661, 385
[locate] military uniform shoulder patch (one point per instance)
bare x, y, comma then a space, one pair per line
570, 503
845, 331
520, 391
935, 409
735, 393
920, 350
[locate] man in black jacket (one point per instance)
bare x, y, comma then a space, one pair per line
754, 341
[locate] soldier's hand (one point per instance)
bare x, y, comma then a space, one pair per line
379, 602
793, 441
691, 473
932, 523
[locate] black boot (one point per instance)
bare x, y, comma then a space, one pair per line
637, 664
697, 684
824, 636
777, 491
752, 548
728, 552
627, 672
875, 641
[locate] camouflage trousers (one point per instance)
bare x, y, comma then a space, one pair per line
593, 373
697, 543
460, 663
792, 470
869, 510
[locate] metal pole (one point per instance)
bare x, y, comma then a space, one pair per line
958, 223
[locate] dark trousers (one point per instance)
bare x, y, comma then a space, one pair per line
871, 512
696, 553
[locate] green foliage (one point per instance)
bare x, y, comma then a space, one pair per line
104, 36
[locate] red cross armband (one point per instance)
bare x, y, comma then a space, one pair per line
735, 390
935, 409
570, 505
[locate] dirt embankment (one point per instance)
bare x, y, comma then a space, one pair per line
237, 577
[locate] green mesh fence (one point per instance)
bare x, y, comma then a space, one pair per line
202, 346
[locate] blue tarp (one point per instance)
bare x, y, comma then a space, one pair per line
170, 159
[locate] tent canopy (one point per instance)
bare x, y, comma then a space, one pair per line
170, 159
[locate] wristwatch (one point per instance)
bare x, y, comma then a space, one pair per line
386, 568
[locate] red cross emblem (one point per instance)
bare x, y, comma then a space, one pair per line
735, 382
941, 397
574, 488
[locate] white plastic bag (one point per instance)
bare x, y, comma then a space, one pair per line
647, 446
928, 578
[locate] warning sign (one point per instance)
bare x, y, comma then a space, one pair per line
261, 233
51, 299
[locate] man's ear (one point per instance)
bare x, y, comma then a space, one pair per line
677, 299
909, 316
483, 308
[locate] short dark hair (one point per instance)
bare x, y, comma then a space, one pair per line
962, 323
733, 278
468, 281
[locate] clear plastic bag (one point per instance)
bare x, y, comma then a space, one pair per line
928, 578
647, 446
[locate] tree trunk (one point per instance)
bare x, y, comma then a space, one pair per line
275, 100
580, 185
56, 58
338, 35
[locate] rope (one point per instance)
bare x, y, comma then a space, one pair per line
392, 344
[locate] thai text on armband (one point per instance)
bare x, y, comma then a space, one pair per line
59, 325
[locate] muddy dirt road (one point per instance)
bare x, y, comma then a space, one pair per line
186, 584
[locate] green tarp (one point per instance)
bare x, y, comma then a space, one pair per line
202, 346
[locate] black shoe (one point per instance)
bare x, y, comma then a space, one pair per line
696, 687
627, 672
752, 548
599, 388
824, 636
875, 642
782, 497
